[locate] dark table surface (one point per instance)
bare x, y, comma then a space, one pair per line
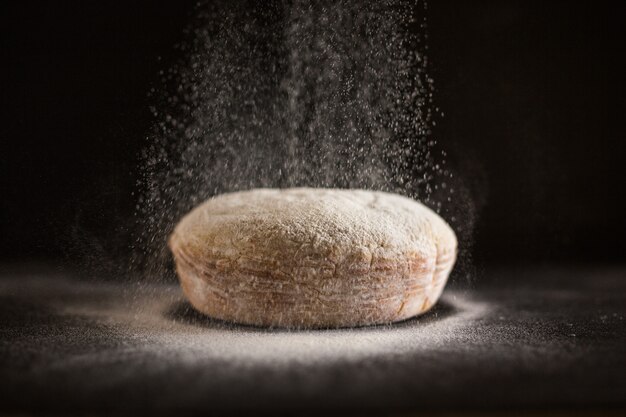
534, 338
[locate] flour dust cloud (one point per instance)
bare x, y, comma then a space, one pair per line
292, 93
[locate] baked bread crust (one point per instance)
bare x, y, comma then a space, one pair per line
312, 258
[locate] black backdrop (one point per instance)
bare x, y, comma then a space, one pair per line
533, 95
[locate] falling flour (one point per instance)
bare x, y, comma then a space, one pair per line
284, 94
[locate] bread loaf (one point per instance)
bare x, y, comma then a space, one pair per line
312, 258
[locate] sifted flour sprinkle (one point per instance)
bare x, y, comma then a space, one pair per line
287, 94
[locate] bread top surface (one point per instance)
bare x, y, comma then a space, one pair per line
309, 223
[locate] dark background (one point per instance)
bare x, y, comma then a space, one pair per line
533, 95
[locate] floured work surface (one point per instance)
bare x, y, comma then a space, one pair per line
534, 338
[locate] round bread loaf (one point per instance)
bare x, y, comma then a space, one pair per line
307, 257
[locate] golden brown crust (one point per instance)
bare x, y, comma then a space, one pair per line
312, 257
